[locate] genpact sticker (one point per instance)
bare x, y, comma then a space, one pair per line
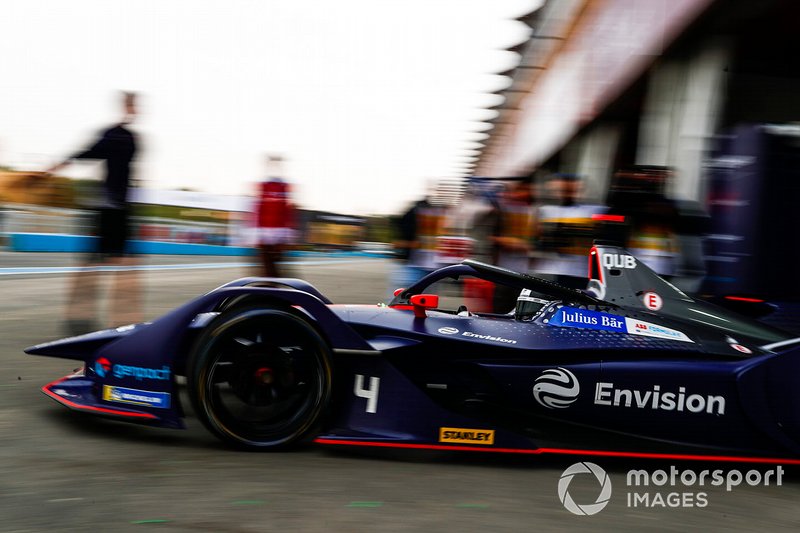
140, 372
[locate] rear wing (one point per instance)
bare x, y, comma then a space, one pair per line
618, 277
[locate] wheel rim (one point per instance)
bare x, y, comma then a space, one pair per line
265, 380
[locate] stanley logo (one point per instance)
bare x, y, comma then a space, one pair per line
467, 436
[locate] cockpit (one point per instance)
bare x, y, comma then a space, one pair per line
473, 288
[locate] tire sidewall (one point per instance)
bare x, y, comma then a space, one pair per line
203, 356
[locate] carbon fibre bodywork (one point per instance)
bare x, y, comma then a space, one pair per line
608, 370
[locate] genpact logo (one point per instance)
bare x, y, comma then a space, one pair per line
140, 373
102, 366
589, 508
556, 388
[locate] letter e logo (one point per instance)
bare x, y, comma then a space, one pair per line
652, 301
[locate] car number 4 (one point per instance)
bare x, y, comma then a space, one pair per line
371, 394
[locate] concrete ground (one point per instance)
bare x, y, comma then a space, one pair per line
67, 472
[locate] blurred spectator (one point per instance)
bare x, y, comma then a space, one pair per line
484, 225
513, 238
476, 219
663, 233
274, 219
417, 228
565, 231
116, 146
650, 218
470, 225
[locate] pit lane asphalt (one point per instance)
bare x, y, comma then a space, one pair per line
65, 472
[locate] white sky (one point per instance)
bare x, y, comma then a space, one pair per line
369, 100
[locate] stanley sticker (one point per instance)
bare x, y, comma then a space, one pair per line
467, 436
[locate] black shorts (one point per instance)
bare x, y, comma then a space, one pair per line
112, 230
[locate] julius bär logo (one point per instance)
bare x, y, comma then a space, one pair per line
102, 366
589, 508
556, 388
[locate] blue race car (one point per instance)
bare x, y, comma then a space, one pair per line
629, 366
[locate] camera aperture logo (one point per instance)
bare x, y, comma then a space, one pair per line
589, 508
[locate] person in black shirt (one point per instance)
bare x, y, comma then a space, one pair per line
116, 146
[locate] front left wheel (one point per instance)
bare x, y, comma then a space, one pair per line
260, 378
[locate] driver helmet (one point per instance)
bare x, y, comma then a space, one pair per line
528, 306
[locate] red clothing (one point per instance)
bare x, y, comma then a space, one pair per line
274, 209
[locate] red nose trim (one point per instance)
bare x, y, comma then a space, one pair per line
91, 408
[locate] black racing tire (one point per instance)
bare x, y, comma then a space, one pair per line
260, 378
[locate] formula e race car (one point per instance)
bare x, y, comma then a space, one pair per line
629, 366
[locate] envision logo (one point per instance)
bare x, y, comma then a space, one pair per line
453, 331
556, 388
606, 394
590, 508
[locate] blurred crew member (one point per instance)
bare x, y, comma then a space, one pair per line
274, 219
566, 231
638, 194
513, 238
117, 146
478, 215
418, 229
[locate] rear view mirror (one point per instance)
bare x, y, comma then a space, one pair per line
421, 302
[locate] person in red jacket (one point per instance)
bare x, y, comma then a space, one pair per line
274, 219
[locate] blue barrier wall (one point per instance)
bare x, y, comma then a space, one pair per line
50, 242
54, 242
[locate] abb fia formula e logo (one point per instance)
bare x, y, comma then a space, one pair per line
556, 388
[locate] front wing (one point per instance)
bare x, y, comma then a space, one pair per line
130, 372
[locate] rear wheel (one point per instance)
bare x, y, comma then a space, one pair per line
259, 378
